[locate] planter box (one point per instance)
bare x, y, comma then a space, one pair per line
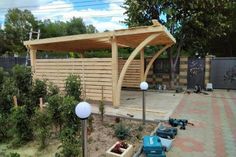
125, 152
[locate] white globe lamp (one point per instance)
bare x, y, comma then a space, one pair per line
83, 110
143, 85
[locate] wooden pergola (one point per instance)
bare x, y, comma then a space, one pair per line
136, 38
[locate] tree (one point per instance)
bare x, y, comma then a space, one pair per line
17, 27
3, 44
75, 26
52, 29
91, 29
193, 23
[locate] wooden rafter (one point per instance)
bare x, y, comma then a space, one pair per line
158, 53
129, 60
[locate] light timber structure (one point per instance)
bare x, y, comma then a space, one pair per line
99, 74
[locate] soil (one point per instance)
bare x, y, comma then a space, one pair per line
100, 139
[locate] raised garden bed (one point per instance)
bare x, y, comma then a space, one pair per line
120, 149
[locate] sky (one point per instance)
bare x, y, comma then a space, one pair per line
103, 14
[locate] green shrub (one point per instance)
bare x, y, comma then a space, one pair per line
39, 90
52, 90
73, 87
55, 110
21, 129
4, 126
42, 127
121, 131
14, 155
70, 120
6, 95
23, 78
70, 144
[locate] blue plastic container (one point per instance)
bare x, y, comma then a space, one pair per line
152, 145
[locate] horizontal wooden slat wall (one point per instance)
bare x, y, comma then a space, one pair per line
93, 72
132, 76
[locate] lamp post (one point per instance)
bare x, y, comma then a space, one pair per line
143, 87
83, 111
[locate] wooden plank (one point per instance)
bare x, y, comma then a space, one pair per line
75, 71
33, 59
153, 59
72, 67
75, 60
114, 49
68, 74
142, 65
127, 63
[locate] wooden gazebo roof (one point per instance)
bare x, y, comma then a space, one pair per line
125, 38
136, 38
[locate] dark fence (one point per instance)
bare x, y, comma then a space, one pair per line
8, 62
162, 66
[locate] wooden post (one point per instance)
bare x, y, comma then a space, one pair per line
142, 65
41, 104
158, 53
114, 49
15, 101
33, 59
128, 62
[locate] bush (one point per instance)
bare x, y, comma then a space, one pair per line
54, 110
52, 90
14, 155
23, 78
21, 128
73, 87
6, 95
42, 128
39, 90
121, 131
70, 144
4, 126
70, 120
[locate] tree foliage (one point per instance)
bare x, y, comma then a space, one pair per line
17, 27
73, 87
193, 23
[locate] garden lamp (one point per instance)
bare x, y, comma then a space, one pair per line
83, 111
143, 87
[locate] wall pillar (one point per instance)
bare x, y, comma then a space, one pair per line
183, 71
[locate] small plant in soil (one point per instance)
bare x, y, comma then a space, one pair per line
102, 107
122, 131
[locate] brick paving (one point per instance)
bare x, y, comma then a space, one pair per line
214, 130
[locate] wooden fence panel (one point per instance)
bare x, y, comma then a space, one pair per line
94, 73
132, 76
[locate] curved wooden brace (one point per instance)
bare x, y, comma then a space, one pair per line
153, 59
127, 63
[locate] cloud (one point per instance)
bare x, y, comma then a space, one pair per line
113, 14
108, 18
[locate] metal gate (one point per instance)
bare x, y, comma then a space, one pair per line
196, 72
223, 73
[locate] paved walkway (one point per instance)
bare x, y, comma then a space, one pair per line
159, 105
214, 132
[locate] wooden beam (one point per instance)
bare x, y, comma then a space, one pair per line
33, 59
129, 60
142, 65
114, 49
158, 53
